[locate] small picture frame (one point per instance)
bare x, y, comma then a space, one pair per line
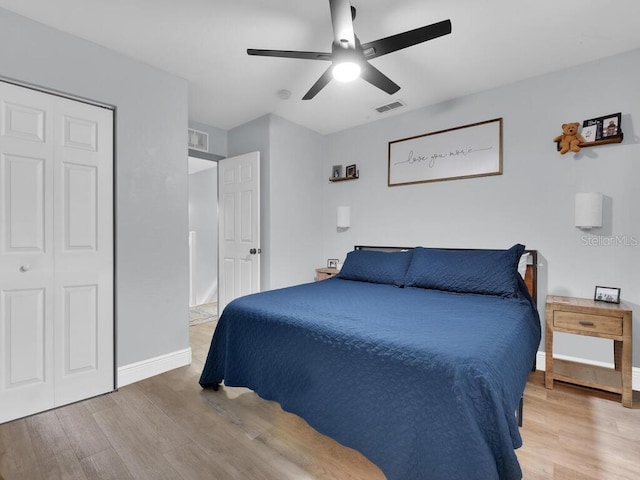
611, 126
589, 133
607, 294
332, 263
351, 171
336, 171
602, 128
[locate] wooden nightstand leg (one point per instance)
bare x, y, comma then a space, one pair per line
627, 392
625, 349
617, 355
548, 350
548, 373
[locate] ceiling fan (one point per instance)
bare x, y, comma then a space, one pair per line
349, 58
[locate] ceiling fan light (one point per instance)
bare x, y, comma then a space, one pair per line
346, 71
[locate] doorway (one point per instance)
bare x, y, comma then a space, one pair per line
203, 240
224, 231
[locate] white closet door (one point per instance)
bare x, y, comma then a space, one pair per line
26, 252
83, 253
56, 251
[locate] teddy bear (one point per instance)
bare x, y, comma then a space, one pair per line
570, 138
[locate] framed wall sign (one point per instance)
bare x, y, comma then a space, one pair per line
473, 150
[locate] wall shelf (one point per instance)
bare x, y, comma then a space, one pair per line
342, 179
604, 141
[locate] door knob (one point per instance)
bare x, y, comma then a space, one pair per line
25, 268
253, 251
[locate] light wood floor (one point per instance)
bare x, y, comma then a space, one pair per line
166, 427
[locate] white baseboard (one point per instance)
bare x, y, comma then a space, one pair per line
635, 371
134, 372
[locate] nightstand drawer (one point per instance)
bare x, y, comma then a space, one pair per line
325, 273
584, 322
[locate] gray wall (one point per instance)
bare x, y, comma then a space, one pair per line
531, 203
296, 203
151, 174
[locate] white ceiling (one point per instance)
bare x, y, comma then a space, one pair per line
494, 42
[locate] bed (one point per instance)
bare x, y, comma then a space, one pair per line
417, 358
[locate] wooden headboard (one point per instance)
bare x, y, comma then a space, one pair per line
530, 277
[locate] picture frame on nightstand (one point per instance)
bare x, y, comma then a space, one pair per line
332, 263
607, 294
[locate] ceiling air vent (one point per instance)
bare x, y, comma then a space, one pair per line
390, 106
198, 140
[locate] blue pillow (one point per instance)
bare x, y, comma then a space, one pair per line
376, 267
487, 272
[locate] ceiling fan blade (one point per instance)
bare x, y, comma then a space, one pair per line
342, 23
290, 54
393, 43
378, 79
322, 82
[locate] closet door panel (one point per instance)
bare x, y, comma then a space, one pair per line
26, 252
83, 233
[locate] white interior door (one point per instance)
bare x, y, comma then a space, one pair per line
83, 251
26, 255
239, 227
56, 251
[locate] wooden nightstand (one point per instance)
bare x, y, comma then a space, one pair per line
584, 316
324, 273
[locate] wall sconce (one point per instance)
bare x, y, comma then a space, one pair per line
343, 217
588, 212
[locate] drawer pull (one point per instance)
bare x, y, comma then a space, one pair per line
586, 323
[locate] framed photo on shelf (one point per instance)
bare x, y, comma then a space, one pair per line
602, 128
351, 171
590, 133
332, 263
611, 126
336, 171
607, 294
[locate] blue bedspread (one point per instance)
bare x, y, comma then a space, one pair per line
424, 383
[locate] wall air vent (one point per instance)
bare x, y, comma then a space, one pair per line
198, 140
390, 106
